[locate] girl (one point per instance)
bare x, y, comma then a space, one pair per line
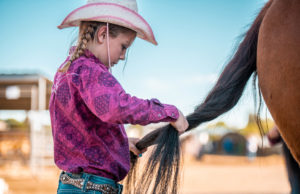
88, 106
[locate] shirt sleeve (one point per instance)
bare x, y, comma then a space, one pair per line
106, 98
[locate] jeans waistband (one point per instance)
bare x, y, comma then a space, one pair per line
95, 179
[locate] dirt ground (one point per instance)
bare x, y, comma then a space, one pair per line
235, 175
211, 175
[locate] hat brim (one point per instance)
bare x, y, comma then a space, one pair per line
111, 13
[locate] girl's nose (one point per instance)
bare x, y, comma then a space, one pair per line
122, 56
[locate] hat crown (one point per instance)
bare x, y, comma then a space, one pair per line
119, 12
130, 4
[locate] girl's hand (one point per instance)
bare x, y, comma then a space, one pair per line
181, 124
132, 142
274, 133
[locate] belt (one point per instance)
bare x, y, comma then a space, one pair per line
79, 183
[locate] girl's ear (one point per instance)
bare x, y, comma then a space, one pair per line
101, 34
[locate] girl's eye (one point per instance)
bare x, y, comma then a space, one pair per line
124, 47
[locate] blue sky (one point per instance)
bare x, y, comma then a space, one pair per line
195, 39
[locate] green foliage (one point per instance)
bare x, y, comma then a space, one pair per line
218, 124
14, 125
252, 127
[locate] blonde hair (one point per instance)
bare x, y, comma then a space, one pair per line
87, 32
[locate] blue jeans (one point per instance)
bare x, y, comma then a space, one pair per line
68, 189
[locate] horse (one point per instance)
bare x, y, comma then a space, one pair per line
270, 51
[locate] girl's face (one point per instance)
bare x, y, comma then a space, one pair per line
117, 46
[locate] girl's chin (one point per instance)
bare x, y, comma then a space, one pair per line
111, 65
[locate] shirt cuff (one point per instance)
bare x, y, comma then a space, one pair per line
167, 112
171, 113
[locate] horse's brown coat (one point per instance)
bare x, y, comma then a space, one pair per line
278, 67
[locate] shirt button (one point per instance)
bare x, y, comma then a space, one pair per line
173, 114
159, 115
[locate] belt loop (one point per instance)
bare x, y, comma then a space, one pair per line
120, 188
86, 179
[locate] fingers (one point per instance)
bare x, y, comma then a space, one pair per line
133, 148
184, 125
274, 133
181, 124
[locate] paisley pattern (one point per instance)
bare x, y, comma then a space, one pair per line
95, 155
102, 104
63, 94
106, 79
82, 99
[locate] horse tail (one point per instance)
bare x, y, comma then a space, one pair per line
232, 81
162, 171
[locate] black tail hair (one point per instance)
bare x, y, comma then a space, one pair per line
163, 165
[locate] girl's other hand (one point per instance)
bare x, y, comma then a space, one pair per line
132, 142
181, 124
274, 133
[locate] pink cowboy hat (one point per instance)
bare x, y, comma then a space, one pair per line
119, 12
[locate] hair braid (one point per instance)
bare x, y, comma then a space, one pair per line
88, 29
87, 32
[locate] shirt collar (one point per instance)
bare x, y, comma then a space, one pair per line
88, 54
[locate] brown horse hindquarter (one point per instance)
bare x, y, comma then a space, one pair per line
278, 67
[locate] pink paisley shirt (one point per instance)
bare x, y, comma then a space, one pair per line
88, 108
